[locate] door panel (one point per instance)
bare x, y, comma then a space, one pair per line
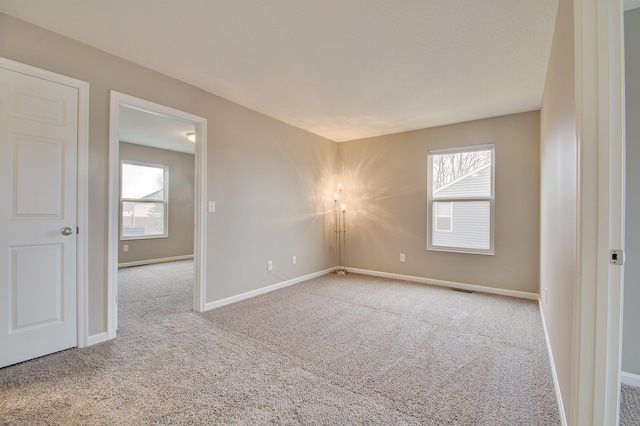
25, 310
37, 169
38, 178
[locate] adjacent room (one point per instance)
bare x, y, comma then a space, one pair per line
322, 212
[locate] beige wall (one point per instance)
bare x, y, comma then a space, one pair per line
273, 183
180, 212
631, 337
266, 177
386, 196
558, 189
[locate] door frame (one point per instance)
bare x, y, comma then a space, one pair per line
82, 188
200, 196
597, 339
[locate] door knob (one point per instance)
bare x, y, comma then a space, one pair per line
66, 231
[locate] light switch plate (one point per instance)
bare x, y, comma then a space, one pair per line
212, 206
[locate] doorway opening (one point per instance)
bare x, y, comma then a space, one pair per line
157, 188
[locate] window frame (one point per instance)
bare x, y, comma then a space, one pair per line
164, 201
430, 200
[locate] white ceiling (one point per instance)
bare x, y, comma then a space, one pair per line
144, 128
631, 4
340, 69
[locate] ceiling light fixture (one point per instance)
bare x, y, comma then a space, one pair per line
191, 136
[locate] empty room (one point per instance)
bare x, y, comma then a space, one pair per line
319, 212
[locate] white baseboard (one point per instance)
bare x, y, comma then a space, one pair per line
452, 284
151, 261
630, 379
97, 338
556, 384
253, 293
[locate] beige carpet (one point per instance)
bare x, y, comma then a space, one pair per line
629, 406
333, 350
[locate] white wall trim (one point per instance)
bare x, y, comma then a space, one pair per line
599, 87
452, 284
152, 261
82, 238
263, 290
82, 200
200, 203
94, 339
554, 373
200, 208
630, 379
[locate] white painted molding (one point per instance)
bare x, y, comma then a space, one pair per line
554, 373
263, 290
113, 215
630, 379
82, 217
452, 284
200, 213
94, 339
82, 201
200, 202
152, 261
599, 96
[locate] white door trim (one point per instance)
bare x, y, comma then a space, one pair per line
82, 239
200, 204
598, 287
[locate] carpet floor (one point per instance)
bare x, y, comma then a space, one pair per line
332, 350
630, 406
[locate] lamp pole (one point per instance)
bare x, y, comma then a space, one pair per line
344, 240
340, 230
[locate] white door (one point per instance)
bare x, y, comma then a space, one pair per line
38, 168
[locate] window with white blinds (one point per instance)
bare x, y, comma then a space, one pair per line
461, 199
143, 200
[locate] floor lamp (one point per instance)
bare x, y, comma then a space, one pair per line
341, 234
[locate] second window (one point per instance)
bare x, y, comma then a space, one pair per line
143, 200
461, 199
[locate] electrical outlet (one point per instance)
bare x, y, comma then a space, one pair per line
294, 260
403, 258
125, 247
270, 265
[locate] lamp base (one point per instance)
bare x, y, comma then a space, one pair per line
340, 272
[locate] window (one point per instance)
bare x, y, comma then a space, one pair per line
143, 200
443, 216
461, 199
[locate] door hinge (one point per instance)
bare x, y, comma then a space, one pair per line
77, 230
616, 257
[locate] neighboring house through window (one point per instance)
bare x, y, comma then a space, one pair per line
143, 200
461, 199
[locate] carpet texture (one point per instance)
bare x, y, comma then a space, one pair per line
332, 350
630, 406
